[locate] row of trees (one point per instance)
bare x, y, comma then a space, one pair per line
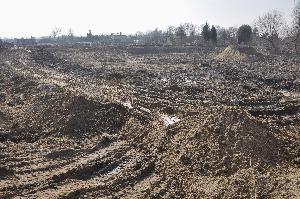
203, 35
187, 33
270, 29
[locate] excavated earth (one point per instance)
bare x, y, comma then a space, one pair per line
147, 122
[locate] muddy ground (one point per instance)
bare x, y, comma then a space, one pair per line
147, 122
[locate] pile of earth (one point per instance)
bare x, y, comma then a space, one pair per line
30, 109
239, 53
56, 112
222, 140
210, 147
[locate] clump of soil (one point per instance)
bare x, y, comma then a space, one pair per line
239, 53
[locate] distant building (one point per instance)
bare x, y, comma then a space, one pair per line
22, 41
118, 38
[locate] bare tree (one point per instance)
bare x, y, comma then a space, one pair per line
170, 34
70, 33
222, 34
296, 14
180, 32
231, 34
271, 27
156, 36
56, 32
171, 30
190, 29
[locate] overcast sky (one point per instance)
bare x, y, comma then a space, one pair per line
25, 18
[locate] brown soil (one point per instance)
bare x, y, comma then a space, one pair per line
74, 124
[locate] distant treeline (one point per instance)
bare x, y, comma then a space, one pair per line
270, 30
186, 34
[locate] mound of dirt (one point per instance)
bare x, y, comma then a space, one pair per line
239, 53
221, 141
66, 113
201, 156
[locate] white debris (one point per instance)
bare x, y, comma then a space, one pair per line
206, 101
168, 120
145, 109
7, 63
190, 82
164, 79
128, 105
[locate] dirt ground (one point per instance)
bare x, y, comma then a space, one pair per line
148, 122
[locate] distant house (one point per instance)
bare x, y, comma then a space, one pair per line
118, 38
22, 41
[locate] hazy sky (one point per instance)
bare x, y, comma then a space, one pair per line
38, 17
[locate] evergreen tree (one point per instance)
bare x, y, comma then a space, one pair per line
244, 34
213, 34
206, 32
89, 36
